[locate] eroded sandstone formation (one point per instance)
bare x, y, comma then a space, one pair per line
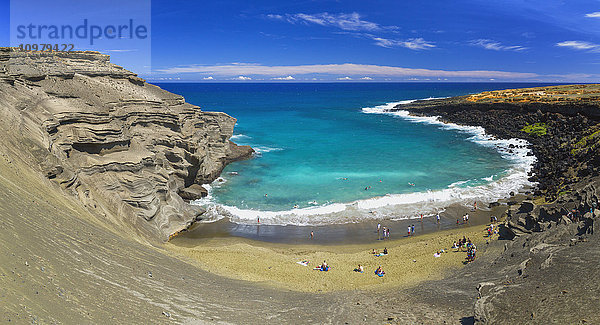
127, 149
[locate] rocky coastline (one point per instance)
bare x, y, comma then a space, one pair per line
134, 154
548, 235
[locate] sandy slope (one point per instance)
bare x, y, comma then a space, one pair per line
58, 265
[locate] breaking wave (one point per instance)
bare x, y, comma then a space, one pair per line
398, 206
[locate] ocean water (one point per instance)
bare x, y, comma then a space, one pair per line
329, 153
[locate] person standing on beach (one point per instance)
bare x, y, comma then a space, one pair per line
409, 231
438, 218
312, 235
412, 229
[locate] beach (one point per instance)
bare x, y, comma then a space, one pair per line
409, 260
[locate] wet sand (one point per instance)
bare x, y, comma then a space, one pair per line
409, 260
269, 254
343, 234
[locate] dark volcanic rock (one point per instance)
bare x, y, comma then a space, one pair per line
548, 269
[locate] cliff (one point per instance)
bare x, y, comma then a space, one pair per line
546, 269
128, 150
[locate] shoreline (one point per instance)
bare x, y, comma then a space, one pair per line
271, 260
410, 261
393, 206
344, 234
268, 254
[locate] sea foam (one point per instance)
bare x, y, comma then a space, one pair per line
399, 206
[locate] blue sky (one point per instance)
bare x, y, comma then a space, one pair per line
372, 40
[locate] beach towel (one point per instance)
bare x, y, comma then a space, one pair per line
380, 254
303, 263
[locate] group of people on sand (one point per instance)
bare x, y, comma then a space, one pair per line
383, 253
411, 230
465, 243
385, 231
471, 253
491, 230
465, 219
379, 271
322, 267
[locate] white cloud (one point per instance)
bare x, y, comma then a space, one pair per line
412, 43
208, 78
353, 24
366, 78
344, 78
489, 44
580, 45
277, 17
242, 78
285, 78
336, 70
119, 51
593, 14
351, 21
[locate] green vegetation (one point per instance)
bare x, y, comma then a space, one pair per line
588, 142
561, 193
537, 129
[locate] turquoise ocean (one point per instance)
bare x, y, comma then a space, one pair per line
329, 153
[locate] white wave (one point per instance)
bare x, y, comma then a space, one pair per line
240, 137
263, 149
400, 206
457, 184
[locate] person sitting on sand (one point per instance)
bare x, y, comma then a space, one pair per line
374, 252
323, 267
385, 251
379, 271
438, 254
359, 269
455, 245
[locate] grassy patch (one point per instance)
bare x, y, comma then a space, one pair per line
588, 142
561, 193
537, 129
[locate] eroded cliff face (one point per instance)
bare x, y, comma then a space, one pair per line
127, 149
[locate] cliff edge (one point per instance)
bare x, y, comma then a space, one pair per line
545, 270
128, 150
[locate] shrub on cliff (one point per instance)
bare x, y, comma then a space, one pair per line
537, 129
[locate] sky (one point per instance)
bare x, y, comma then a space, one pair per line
369, 41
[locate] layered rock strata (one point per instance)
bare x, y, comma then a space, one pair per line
130, 151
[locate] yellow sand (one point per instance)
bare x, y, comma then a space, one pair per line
409, 261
